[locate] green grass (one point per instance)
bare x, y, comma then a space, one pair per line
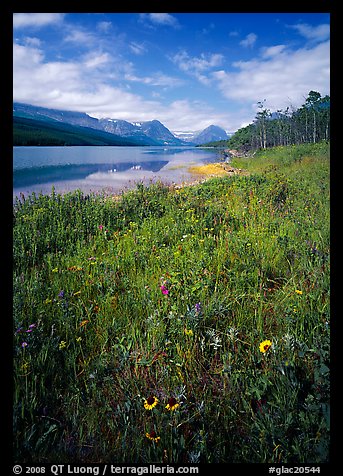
169, 292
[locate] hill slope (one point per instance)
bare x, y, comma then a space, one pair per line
27, 132
142, 133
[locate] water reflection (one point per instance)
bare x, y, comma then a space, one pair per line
37, 169
46, 174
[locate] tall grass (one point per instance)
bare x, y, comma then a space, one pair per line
215, 296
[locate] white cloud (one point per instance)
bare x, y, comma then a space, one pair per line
269, 52
95, 59
137, 48
104, 26
249, 40
80, 36
36, 20
287, 76
197, 66
162, 19
156, 79
32, 41
78, 86
312, 33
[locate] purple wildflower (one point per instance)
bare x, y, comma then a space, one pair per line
61, 294
197, 307
24, 344
164, 289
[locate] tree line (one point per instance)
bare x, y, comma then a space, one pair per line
309, 123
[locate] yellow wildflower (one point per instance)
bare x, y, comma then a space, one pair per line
150, 403
265, 345
152, 436
172, 404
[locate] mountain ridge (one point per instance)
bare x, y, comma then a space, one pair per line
151, 132
29, 132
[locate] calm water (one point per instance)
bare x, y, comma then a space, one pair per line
37, 169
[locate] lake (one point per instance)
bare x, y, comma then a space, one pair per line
102, 168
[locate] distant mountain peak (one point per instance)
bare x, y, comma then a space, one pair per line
209, 134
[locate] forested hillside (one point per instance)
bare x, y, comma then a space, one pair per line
27, 132
308, 124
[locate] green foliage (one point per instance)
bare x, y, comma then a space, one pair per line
308, 124
168, 293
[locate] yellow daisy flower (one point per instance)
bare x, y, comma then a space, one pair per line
265, 345
172, 404
150, 403
152, 436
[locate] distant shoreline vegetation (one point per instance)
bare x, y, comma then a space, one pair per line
308, 124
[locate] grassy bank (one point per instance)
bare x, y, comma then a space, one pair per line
177, 325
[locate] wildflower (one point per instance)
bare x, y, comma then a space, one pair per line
25, 366
216, 342
62, 344
152, 436
101, 227
150, 403
298, 291
172, 404
55, 270
233, 333
74, 268
189, 332
31, 327
164, 289
265, 345
78, 339
84, 322
61, 294
24, 344
198, 307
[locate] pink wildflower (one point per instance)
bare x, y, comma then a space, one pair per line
164, 289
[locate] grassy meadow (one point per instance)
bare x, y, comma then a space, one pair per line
177, 324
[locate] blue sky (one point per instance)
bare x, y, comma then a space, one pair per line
188, 70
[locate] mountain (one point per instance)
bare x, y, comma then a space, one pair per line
45, 114
141, 133
210, 134
138, 133
154, 130
157, 129
27, 131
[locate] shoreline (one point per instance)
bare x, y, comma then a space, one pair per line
198, 174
